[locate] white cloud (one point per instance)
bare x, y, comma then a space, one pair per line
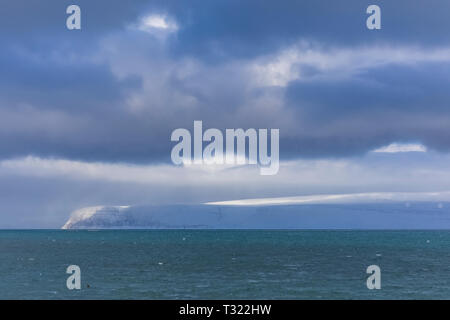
164, 174
156, 23
342, 198
397, 147
367, 174
296, 62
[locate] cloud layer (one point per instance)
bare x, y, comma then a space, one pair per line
115, 90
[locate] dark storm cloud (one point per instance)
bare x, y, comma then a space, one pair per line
380, 105
228, 28
77, 87
240, 26
72, 94
43, 18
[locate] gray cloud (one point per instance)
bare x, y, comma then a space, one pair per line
114, 93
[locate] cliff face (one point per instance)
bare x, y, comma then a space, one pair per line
420, 215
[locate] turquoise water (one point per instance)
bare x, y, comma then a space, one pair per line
201, 264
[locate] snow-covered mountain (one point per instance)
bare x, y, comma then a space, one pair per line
395, 215
99, 215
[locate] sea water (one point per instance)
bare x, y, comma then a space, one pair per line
224, 264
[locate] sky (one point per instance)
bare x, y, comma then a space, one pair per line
86, 115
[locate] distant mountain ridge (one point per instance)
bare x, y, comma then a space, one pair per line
393, 215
